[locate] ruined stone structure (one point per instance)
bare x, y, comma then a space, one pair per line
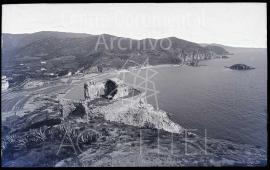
110, 89
93, 90
115, 88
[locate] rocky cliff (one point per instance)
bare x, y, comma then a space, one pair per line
111, 133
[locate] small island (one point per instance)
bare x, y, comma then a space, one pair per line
240, 67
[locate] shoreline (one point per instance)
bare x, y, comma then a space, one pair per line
224, 146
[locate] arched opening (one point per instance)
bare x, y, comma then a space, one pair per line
110, 89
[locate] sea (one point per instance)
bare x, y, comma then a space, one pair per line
212, 100
209, 100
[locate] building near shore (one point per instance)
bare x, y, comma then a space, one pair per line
5, 83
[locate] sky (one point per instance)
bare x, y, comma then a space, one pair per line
234, 24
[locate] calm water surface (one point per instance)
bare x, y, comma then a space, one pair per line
229, 104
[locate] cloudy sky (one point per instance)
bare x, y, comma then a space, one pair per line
235, 24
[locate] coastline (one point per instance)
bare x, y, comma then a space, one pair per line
118, 124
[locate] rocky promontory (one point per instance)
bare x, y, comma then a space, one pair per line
105, 132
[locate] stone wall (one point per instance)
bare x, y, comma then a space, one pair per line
97, 90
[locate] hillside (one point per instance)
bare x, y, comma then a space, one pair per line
232, 49
61, 52
217, 49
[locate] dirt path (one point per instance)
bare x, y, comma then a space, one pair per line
14, 99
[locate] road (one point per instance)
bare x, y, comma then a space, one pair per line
14, 99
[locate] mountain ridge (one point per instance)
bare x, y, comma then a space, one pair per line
69, 52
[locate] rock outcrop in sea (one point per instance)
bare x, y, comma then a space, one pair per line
240, 67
